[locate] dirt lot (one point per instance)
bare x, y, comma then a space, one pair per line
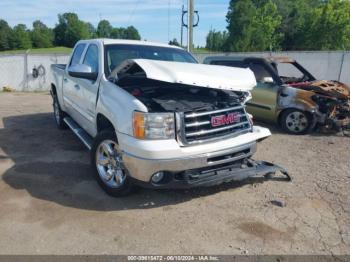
49, 202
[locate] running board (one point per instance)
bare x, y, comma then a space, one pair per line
81, 133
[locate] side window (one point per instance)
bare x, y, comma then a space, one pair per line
260, 72
77, 54
289, 70
91, 58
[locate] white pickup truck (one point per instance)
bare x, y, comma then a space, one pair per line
152, 116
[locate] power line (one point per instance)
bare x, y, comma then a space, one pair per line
133, 11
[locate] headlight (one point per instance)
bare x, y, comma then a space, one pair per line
154, 125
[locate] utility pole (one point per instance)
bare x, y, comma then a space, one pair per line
182, 24
190, 25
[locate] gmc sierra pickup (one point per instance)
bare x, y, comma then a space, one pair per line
152, 116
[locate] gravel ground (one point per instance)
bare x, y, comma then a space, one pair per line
50, 203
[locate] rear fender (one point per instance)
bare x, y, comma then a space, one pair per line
57, 92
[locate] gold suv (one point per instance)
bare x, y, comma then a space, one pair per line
289, 95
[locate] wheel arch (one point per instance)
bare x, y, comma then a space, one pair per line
281, 112
53, 89
103, 123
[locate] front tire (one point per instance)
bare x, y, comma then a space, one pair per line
110, 172
295, 121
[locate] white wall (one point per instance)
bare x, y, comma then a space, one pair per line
16, 70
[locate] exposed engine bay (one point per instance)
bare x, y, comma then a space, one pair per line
159, 96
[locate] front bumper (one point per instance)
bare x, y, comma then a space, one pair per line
205, 177
142, 169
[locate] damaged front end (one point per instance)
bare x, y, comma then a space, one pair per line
327, 101
208, 107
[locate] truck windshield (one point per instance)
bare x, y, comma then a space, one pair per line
116, 54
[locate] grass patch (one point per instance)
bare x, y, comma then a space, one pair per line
50, 50
201, 50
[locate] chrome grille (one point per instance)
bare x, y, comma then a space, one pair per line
197, 127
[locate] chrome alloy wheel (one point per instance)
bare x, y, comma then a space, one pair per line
56, 111
109, 164
297, 122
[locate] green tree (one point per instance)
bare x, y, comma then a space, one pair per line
20, 38
240, 29
265, 23
174, 42
92, 30
253, 26
216, 40
125, 33
117, 33
329, 27
104, 29
70, 29
131, 33
295, 15
5, 35
41, 35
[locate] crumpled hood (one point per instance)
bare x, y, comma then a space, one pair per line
326, 87
210, 76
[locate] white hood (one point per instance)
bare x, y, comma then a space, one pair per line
210, 76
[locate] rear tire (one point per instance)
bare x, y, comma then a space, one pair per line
58, 114
110, 172
295, 121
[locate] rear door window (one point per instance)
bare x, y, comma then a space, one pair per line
78, 51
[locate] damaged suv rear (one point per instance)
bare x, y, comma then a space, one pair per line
288, 94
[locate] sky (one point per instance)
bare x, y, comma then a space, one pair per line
156, 20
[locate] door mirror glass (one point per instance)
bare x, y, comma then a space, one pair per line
82, 71
267, 80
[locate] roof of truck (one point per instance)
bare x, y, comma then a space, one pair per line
107, 41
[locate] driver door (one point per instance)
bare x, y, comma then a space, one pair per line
71, 90
89, 89
263, 105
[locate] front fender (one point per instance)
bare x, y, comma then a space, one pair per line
118, 106
290, 97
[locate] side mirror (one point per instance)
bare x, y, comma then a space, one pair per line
82, 71
267, 80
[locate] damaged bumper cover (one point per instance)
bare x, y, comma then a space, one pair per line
221, 174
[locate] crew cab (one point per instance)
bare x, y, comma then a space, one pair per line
152, 116
289, 95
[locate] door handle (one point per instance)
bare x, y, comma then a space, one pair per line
65, 80
76, 86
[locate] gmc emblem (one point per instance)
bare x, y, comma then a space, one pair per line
225, 119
